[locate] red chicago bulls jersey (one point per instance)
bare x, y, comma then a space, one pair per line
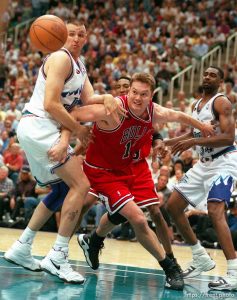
117, 148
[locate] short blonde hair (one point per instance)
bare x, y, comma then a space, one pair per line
144, 78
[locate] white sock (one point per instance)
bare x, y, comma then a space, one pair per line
61, 242
197, 248
27, 236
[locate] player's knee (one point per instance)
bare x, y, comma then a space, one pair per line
215, 212
139, 221
175, 204
82, 187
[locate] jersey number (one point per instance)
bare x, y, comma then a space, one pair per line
128, 149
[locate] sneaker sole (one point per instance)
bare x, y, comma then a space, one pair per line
15, 263
80, 242
223, 288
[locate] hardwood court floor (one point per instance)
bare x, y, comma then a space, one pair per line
127, 271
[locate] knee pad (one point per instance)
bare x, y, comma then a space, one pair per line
116, 218
54, 200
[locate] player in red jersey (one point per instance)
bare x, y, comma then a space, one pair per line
109, 166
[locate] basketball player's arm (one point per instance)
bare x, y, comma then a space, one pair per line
226, 137
86, 113
57, 69
183, 137
163, 115
88, 97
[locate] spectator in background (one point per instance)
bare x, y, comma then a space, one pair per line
163, 77
13, 159
3, 71
13, 110
6, 191
164, 192
187, 158
5, 140
200, 49
24, 195
7, 125
232, 96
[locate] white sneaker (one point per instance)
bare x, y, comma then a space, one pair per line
201, 262
20, 254
56, 263
229, 282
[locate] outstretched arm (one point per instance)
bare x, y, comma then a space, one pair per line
175, 140
163, 114
112, 108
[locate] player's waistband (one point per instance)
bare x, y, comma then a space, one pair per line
27, 113
218, 154
95, 167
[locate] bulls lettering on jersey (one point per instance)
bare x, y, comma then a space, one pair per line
128, 141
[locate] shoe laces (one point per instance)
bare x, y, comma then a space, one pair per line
97, 248
173, 272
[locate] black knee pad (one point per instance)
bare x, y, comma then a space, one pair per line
116, 218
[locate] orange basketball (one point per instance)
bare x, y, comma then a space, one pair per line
48, 33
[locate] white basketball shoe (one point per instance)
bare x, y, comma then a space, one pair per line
201, 262
56, 263
228, 282
20, 254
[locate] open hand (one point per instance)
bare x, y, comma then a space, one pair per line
158, 149
113, 108
208, 129
181, 146
58, 153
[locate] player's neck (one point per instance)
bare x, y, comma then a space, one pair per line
207, 96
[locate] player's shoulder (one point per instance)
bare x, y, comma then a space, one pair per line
60, 55
222, 98
222, 103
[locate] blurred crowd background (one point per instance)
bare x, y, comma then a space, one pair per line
124, 37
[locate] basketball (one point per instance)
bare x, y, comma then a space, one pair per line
48, 33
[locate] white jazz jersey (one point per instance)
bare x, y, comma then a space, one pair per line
206, 114
37, 132
70, 95
210, 179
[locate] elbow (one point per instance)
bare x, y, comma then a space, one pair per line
48, 107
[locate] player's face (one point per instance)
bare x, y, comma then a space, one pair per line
77, 37
122, 87
139, 96
211, 80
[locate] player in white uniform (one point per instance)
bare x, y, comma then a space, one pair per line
211, 178
62, 83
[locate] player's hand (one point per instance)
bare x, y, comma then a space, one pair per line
169, 143
113, 108
58, 152
181, 146
158, 149
208, 129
